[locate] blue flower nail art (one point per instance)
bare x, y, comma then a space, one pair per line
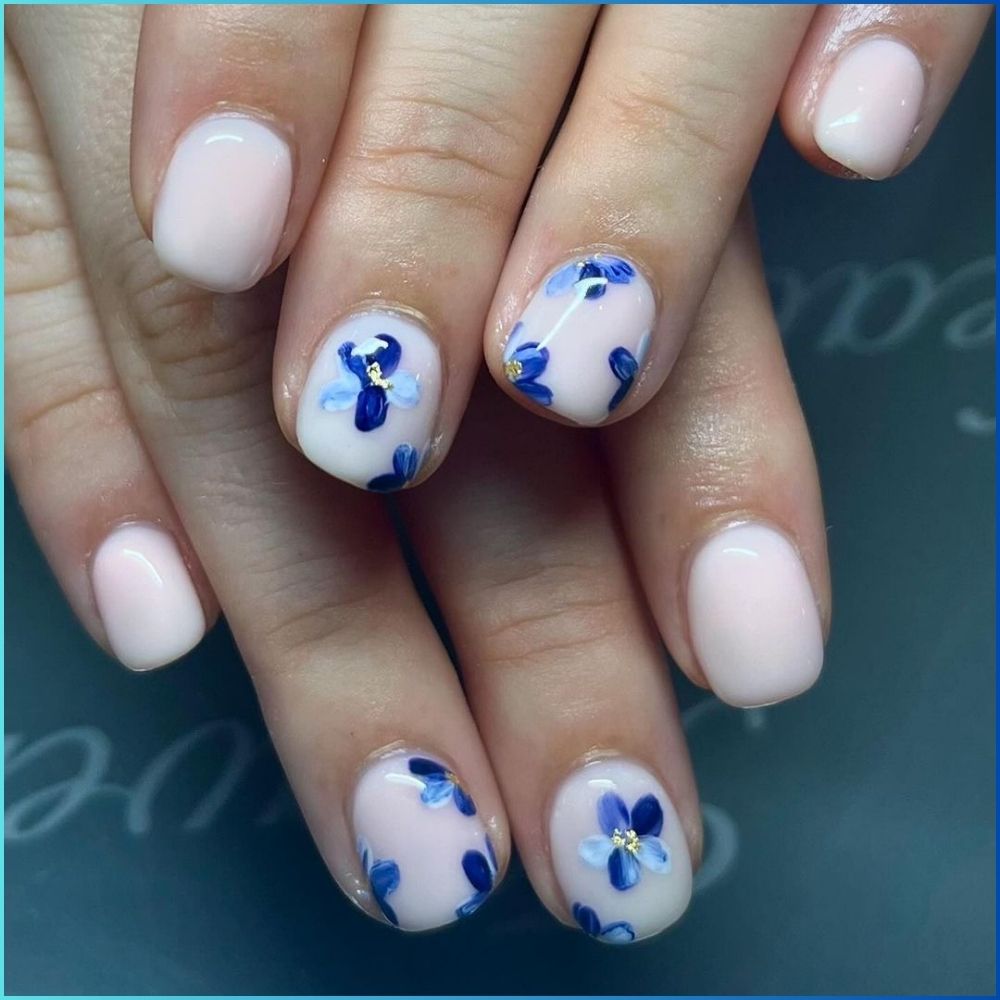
625, 366
481, 871
405, 462
619, 932
591, 276
524, 364
383, 877
628, 841
441, 786
371, 380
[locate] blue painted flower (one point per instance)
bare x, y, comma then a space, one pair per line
371, 380
619, 932
405, 461
591, 276
383, 877
625, 366
628, 841
441, 786
524, 364
481, 871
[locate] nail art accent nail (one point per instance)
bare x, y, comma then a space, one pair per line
619, 852
369, 405
583, 338
149, 607
870, 106
755, 627
221, 208
421, 842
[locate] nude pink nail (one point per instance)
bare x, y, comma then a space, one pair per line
148, 605
619, 852
423, 846
870, 106
580, 346
755, 627
222, 205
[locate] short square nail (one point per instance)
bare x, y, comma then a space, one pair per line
222, 205
618, 851
370, 402
583, 338
869, 107
148, 605
755, 627
421, 842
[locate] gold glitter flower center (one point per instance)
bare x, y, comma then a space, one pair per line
375, 376
513, 369
629, 840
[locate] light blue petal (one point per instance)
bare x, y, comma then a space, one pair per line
653, 854
341, 395
563, 279
620, 932
437, 792
405, 391
596, 850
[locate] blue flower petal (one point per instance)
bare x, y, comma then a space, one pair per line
384, 878
620, 393
623, 364
612, 813
532, 358
405, 391
371, 409
354, 363
616, 270
463, 801
386, 483
388, 355
541, 394
587, 919
596, 850
623, 869
424, 766
340, 395
647, 816
364, 853
437, 791
471, 905
593, 279
653, 854
477, 870
563, 279
620, 932
404, 462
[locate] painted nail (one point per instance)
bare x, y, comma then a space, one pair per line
148, 605
583, 338
619, 852
870, 106
369, 406
754, 623
222, 204
421, 842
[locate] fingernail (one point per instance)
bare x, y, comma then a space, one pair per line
421, 842
754, 623
369, 406
583, 338
870, 106
222, 204
618, 850
148, 605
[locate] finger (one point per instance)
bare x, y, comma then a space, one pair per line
93, 498
235, 112
444, 128
720, 500
353, 681
565, 676
872, 81
635, 202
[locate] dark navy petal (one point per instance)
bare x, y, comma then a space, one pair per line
587, 919
532, 358
353, 362
463, 801
595, 288
612, 813
620, 393
371, 409
563, 279
623, 869
541, 394
616, 270
477, 870
404, 462
424, 766
647, 816
620, 932
387, 356
384, 878
386, 483
623, 364
471, 905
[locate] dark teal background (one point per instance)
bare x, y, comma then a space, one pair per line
151, 847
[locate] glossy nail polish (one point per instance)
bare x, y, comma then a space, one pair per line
148, 605
618, 851
870, 106
755, 627
421, 842
370, 402
581, 343
222, 205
